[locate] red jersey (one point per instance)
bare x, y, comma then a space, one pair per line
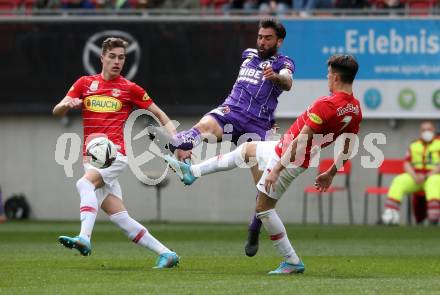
335, 114
107, 105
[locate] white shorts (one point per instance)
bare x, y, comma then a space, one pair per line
286, 176
265, 151
110, 177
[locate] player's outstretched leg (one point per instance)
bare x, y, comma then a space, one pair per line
292, 264
186, 140
183, 170
140, 235
189, 173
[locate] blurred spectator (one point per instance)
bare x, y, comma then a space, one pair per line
180, 4
304, 7
387, 4
422, 167
274, 6
77, 4
245, 5
213, 4
351, 4
392, 4
49, 4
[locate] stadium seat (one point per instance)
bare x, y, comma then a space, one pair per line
324, 165
9, 4
420, 7
388, 167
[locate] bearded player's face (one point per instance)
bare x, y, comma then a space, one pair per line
113, 61
267, 42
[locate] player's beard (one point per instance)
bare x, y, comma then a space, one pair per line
266, 53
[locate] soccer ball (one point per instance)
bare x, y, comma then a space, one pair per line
390, 217
101, 152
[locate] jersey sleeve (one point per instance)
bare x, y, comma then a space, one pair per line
248, 53
285, 63
76, 90
140, 97
318, 115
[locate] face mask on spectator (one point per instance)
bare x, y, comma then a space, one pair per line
427, 136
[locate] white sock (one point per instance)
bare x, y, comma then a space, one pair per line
137, 232
277, 232
224, 162
88, 207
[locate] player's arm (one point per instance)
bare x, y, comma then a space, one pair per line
71, 100
283, 80
66, 104
324, 180
408, 168
163, 118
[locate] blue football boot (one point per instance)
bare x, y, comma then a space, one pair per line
83, 246
288, 268
167, 260
182, 170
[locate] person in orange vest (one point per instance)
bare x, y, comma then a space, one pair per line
422, 168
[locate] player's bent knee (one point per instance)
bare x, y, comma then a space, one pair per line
112, 205
264, 203
209, 125
249, 151
84, 182
94, 177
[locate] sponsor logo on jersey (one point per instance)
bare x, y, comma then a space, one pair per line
249, 75
94, 86
221, 110
349, 108
146, 97
102, 104
264, 64
315, 118
116, 92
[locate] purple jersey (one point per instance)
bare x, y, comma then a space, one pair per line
252, 95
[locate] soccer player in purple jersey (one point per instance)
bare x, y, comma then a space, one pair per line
249, 108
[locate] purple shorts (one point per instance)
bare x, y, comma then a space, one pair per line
239, 125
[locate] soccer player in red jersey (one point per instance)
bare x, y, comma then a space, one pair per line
329, 117
107, 100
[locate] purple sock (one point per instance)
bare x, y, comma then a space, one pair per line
255, 224
186, 140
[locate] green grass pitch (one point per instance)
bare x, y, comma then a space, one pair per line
338, 259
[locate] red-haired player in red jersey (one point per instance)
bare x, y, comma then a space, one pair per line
324, 121
107, 100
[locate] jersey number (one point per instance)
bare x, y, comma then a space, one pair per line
346, 120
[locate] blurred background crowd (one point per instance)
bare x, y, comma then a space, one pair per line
301, 8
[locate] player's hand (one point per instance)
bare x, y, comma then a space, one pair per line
420, 178
73, 103
183, 155
269, 74
271, 179
323, 181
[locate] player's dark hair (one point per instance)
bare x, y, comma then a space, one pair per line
111, 43
278, 27
344, 65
